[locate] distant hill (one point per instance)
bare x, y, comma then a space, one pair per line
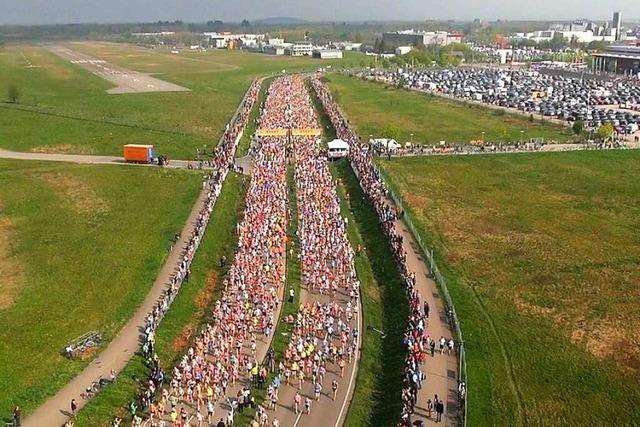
279, 21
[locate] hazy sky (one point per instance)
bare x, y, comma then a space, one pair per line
73, 11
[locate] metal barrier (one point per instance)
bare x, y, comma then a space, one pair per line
82, 344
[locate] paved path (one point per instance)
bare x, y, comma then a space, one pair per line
325, 412
442, 369
54, 412
90, 159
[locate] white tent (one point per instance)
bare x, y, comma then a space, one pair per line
337, 149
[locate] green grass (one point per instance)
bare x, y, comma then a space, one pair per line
86, 243
542, 259
88, 120
372, 107
188, 311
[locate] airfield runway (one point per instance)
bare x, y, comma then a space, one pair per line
126, 81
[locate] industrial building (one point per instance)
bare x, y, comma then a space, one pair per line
393, 40
619, 59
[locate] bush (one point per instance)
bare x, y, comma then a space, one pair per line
578, 127
13, 94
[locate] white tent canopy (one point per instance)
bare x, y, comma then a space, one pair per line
338, 144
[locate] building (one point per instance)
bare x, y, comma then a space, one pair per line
619, 59
403, 50
273, 50
617, 25
229, 40
393, 40
302, 48
327, 53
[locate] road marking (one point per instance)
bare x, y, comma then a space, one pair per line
355, 365
297, 420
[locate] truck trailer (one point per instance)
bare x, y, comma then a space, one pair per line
137, 153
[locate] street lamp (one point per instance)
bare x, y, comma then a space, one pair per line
483, 136
521, 136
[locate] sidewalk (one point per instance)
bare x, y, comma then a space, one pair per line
441, 370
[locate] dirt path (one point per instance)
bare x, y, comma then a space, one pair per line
54, 412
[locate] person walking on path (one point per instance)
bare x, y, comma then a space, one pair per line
17, 417
74, 407
439, 410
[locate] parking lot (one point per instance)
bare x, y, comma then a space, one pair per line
125, 81
553, 97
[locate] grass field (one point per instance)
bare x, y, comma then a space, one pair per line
188, 311
80, 247
371, 108
543, 259
69, 110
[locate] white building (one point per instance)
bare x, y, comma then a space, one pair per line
327, 53
223, 40
303, 48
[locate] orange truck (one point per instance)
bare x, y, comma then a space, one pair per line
138, 153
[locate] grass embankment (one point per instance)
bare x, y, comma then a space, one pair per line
283, 329
542, 259
70, 111
188, 312
377, 395
83, 246
372, 108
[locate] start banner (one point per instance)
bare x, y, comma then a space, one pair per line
306, 132
271, 132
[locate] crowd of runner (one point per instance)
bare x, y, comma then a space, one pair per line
416, 338
325, 336
225, 351
182, 384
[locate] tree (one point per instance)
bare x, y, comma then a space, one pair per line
578, 127
245, 23
13, 94
391, 132
605, 132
